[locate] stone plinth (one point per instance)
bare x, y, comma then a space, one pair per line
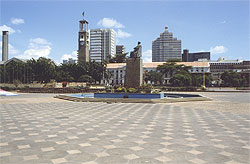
134, 73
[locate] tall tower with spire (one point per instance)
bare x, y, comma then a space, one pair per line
83, 41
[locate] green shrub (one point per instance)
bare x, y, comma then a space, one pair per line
190, 88
132, 90
145, 88
121, 89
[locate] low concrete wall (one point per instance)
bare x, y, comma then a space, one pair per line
122, 100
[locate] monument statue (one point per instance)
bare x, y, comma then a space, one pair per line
137, 51
134, 70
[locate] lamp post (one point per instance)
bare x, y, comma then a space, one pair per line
204, 80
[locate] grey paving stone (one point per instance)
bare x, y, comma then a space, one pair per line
213, 158
121, 133
111, 159
119, 151
144, 160
81, 158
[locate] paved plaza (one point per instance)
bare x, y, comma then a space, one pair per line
39, 129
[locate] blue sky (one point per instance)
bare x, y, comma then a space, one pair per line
50, 28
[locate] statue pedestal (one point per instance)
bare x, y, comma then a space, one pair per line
134, 73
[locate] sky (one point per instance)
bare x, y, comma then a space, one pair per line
50, 28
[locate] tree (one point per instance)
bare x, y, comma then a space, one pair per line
171, 69
153, 76
181, 80
96, 70
167, 68
174, 60
73, 71
86, 78
118, 58
232, 79
64, 76
197, 80
43, 69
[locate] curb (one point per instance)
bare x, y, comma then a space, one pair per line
120, 100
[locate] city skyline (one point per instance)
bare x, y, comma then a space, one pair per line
201, 26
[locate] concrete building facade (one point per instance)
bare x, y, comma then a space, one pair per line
120, 49
221, 65
117, 71
5, 46
102, 44
166, 47
191, 57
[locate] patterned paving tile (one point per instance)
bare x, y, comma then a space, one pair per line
5, 154
131, 156
85, 144
30, 157
70, 132
194, 152
47, 149
165, 150
102, 154
59, 160
23, 146
136, 148
198, 161
74, 151
163, 159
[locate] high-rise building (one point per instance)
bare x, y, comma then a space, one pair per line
83, 42
102, 44
120, 49
5, 46
69, 61
166, 47
191, 57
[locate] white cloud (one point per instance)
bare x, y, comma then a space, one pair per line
17, 21
36, 53
73, 55
18, 31
7, 28
122, 34
218, 50
223, 22
38, 47
109, 23
12, 49
39, 41
117, 41
147, 56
